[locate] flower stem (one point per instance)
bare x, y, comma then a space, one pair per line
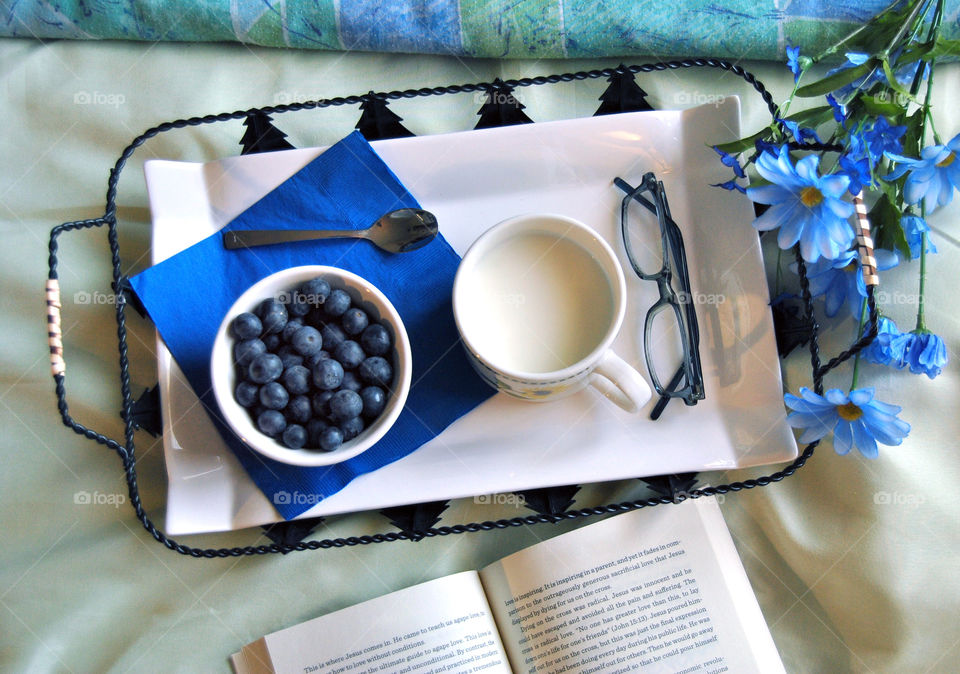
833, 49
907, 26
856, 358
927, 119
921, 322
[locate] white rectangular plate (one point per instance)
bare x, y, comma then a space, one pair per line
472, 180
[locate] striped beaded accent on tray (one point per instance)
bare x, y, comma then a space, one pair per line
865, 243
54, 335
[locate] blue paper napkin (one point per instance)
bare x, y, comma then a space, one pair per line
346, 187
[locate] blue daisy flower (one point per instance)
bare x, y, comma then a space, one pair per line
890, 345
839, 110
903, 75
765, 146
840, 280
793, 62
933, 177
730, 185
803, 205
856, 419
884, 137
926, 354
731, 161
799, 134
859, 172
914, 227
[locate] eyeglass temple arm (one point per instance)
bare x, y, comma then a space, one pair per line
664, 399
672, 227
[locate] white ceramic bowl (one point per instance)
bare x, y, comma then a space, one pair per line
224, 377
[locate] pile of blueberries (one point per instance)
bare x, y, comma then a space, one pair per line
312, 369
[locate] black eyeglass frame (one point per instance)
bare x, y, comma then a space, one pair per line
690, 370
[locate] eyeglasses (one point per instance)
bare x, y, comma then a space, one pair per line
663, 259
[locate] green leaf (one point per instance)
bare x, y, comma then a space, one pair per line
894, 84
837, 80
943, 47
742, 145
812, 117
887, 231
880, 105
911, 139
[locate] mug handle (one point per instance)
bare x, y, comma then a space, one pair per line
621, 383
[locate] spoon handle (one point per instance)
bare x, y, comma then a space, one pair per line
263, 237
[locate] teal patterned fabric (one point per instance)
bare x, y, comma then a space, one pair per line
751, 29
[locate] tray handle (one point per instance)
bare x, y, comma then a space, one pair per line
58, 365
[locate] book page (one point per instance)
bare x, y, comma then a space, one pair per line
660, 589
443, 625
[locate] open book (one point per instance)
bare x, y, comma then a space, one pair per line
659, 590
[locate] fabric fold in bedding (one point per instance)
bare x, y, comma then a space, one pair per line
740, 29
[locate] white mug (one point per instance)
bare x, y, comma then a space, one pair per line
538, 300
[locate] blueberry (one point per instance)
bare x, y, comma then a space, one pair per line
289, 357
354, 321
330, 438
273, 396
246, 326
271, 423
376, 370
351, 428
246, 394
247, 350
265, 368
321, 403
298, 410
333, 335
351, 382
345, 405
294, 436
296, 379
375, 340
273, 314
313, 293
298, 306
307, 340
374, 401
290, 328
349, 354
327, 374
337, 303
314, 428
314, 358
272, 342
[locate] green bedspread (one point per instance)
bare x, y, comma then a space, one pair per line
754, 29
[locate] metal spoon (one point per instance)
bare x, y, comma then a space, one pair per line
398, 231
